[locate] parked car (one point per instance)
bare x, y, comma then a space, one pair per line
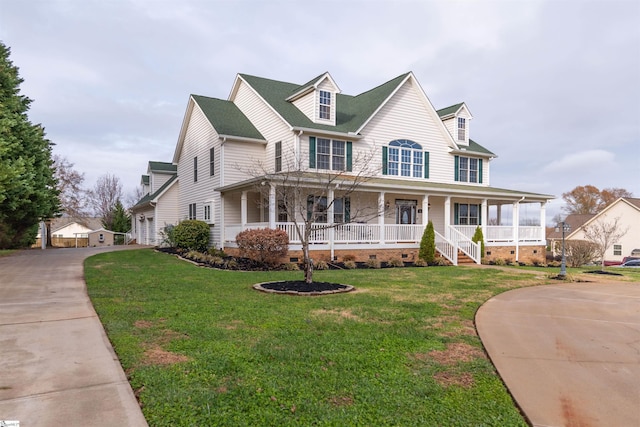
631, 263
629, 258
635, 252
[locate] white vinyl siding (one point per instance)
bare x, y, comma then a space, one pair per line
306, 104
158, 180
199, 138
407, 115
268, 124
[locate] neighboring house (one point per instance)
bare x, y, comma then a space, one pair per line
159, 206
554, 234
71, 232
427, 168
627, 211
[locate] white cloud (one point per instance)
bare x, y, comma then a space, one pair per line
581, 162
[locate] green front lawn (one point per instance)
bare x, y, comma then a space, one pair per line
202, 348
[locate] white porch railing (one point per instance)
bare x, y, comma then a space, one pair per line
446, 248
505, 233
465, 244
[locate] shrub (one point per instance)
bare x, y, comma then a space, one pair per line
191, 235
320, 265
291, 266
373, 263
216, 260
350, 265
264, 245
348, 257
579, 252
420, 263
166, 236
499, 261
216, 252
428, 244
478, 237
395, 262
537, 262
440, 261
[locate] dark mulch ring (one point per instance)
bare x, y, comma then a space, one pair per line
610, 273
300, 287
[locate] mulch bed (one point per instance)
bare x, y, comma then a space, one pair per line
300, 287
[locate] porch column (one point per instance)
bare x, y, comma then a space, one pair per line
516, 227
221, 216
272, 206
543, 221
425, 210
499, 213
330, 211
447, 217
381, 214
484, 218
243, 209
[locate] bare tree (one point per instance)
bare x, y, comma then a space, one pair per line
603, 235
69, 182
104, 196
307, 197
588, 199
134, 197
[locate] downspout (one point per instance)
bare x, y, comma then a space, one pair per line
224, 139
297, 149
516, 229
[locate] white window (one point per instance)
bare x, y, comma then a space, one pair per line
195, 169
325, 105
278, 156
462, 129
207, 213
318, 207
468, 169
467, 214
404, 158
192, 211
212, 157
617, 249
330, 154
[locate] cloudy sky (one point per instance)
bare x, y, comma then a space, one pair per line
553, 85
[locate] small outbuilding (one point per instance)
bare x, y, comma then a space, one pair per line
101, 237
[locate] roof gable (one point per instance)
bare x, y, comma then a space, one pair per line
454, 110
153, 197
162, 167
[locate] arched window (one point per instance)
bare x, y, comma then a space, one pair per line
404, 157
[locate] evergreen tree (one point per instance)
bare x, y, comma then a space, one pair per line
428, 245
28, 191
121, 222
479, 237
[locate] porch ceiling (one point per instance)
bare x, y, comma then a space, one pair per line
396, 185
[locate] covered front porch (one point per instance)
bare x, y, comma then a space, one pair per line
398, 222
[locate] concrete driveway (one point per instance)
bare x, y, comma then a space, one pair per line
568, 353
57, 366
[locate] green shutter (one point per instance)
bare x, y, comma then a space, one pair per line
349, 157
456, 173
480, 171
312, 152
347, 209
480, 214
456, 220
426, 164
385, 154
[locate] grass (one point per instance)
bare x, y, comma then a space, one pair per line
6, 252
200, 347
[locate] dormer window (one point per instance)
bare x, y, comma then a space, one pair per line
462, 129
325, 105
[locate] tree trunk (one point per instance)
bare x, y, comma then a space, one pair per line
48, 226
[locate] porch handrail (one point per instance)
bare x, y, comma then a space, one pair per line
446, 248
465, 244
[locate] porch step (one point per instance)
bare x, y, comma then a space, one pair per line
464, 259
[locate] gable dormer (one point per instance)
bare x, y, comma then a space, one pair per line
144, 182
456, 118
317, 99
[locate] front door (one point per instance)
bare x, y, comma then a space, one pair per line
406, 211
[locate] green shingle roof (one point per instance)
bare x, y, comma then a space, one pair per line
150, 196
443, 112
162, 167
475, 147
351, 113
227, 118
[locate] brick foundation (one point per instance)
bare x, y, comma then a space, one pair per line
527, 254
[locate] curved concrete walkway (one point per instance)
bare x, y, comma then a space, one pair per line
57, 366
568, 353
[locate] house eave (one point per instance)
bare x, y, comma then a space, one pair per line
346, 135
225, 138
